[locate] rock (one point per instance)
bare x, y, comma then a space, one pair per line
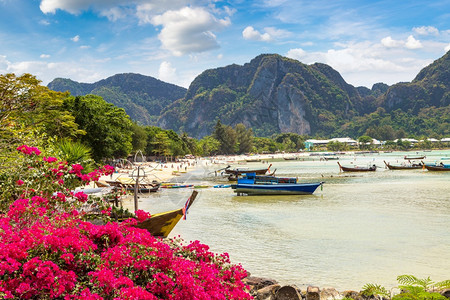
352, 294
446, 293
312, 293
257, 283
288, 292
267, 293
330, 294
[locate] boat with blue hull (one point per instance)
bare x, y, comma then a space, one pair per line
267, 185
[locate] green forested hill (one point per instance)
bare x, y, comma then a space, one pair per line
270, 94
142, 97
274, 94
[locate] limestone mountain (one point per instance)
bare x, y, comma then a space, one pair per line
142, 97
270, 94
430, 88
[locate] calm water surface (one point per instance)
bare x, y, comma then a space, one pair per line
361, 228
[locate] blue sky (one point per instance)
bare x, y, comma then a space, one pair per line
175, 40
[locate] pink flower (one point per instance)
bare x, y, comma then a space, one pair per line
19, 182
29, 150
142, 215
49, 159
76, 169
81, 196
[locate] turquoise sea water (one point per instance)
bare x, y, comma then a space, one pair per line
361, 228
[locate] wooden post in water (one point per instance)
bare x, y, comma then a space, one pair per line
136, 185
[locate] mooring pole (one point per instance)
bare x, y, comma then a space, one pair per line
136, 184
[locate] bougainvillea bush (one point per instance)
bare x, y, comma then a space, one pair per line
48, 249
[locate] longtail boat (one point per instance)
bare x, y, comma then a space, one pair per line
233, 177
130, 185
441, 167
162, 224
357, 169
257, 185
240, 171
403, 167
414, 157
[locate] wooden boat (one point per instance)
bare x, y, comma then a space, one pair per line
221, 186
252, 185
234, 177
440, 167
405, 167
241, 171
253, 160
357, 169
414, 157
162, 224
290, 158
130, 186
176, 186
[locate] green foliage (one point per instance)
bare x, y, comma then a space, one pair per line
138, 137
75, 153
337, 146
108, 128
244, 139
374, 290
208, 145
365, 142
265, 145
412, 288
25, 105
162, 144
142, 97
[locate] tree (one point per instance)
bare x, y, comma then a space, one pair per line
139, 137
108, 128
26, 106
265, 145
337, 146
162, 144
208, 145
365, 142
226, 136
190, 143
244, 138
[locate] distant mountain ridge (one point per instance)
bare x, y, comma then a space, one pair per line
142, 97
274, 94
270, 94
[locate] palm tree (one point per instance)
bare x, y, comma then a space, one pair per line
76, 153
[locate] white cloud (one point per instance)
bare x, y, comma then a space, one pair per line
114, 9
220, 56
366, 63
297, 53
44, 56
166, 72
75, 38
76, 6
426, 30
188, 30
4, 64
113, 13
251, 33
44, 22
412, 43
447, 48
85, 47
388, 42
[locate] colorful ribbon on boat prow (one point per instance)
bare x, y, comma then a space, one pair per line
185, 208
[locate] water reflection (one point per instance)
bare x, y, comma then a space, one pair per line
362, 228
